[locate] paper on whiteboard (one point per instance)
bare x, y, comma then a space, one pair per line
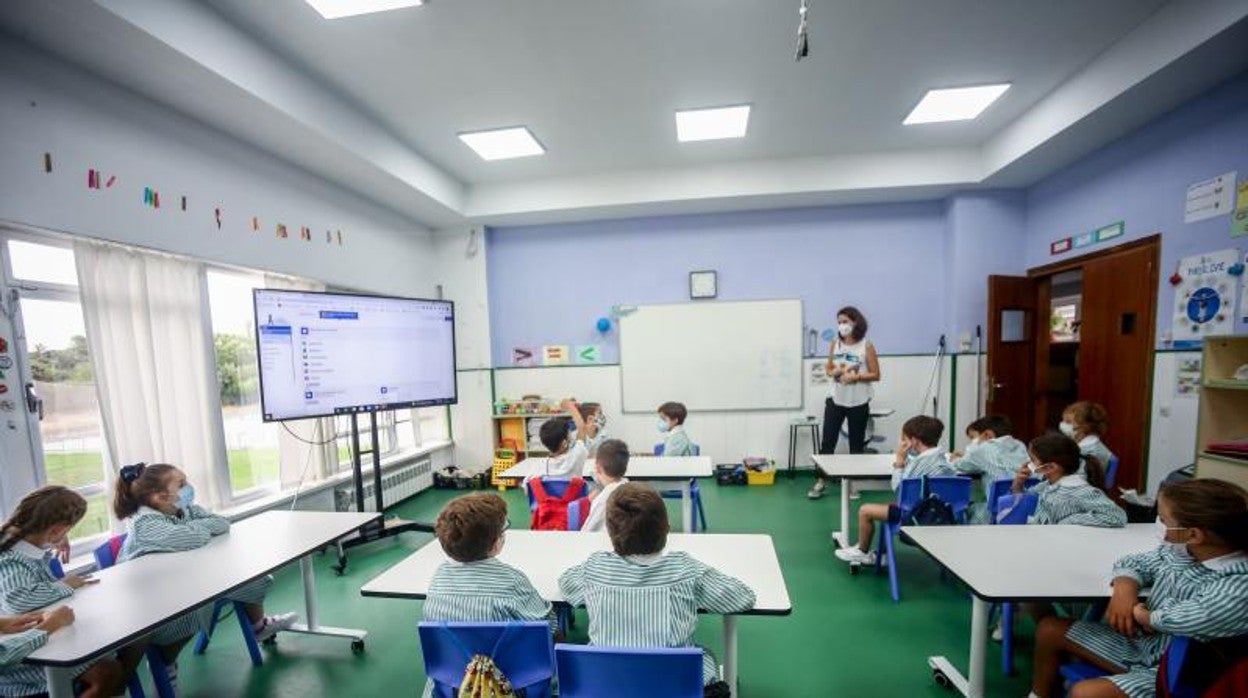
1209, 198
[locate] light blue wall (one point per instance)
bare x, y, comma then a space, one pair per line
1142, 179
548, 284
985, 237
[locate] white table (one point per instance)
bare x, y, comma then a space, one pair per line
135, 597
544, 555
677, 469
850, 467
1023, 563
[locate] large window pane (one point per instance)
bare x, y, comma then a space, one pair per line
73, 443
42, 263
252, 445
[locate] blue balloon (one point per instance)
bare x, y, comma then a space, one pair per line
829, 335
604, 325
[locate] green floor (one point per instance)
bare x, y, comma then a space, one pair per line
844, 637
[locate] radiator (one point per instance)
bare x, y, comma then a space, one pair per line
397, 484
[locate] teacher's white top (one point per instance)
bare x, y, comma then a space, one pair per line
544, 555
135, 597
852, 357
1020, 563
639, 468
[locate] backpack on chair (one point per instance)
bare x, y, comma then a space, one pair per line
482, 677
550, 513
930, 511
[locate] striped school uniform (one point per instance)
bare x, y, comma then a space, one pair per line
18, 679
1204, 601
487, 590
677, 442
1071, 501
652, 600
929, 463
152, 531
26, 584
996, 459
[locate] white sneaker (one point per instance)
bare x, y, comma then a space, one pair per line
998, 634
272, 625
815, 492
855, 555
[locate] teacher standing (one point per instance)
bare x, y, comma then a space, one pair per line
853, 367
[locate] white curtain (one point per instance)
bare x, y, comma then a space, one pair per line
153, 362
303, 452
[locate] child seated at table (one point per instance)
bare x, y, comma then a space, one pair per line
1067, 497
610, 464
1086, 422
561, 436
1199, 588
671, 425
41, 522
595, 425
917, 455
641, 595
475, 585
993, 453
158, 505
26, 633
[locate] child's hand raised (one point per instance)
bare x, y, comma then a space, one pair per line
56, 619
74, 581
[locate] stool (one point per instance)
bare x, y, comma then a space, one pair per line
794, 427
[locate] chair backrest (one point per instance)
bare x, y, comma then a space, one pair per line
1001, 488
952, 489
555, 487
106, 553
658, 449
526, 656
1013, 509
1111, 472
624, 672
696, 449
57, 569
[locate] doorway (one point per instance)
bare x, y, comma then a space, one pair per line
1080, 329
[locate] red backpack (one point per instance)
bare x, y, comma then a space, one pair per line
550, 512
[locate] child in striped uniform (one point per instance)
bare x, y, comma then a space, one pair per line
642, 596
993, 453
561, 436
161, 517
475, 585
1086, 422
26, 633
1067, 497
40, 523
676, 441
1199, 582
918, 454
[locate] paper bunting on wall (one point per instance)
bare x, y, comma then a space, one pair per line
255, 223
47, 162
183, 203
216, 212
93, 179
151, 197
339, 233
305, 233
281, 231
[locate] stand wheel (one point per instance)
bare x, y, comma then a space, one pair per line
854, 568
340, 568
941, 680
357, 646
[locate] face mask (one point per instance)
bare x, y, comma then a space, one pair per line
663, 425
973, 445
600, 421
1160, 530
1067, 428
844, 329
186, 497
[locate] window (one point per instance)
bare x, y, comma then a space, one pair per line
398, 431
251, 444
57, 362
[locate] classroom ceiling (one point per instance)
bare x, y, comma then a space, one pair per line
375, 102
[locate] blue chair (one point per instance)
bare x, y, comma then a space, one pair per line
695, 492
106, 556
1174, 658
244, 624
523, 651
626, 672
1012, 510
554, 486
1111, 473
1001, 488
952, 489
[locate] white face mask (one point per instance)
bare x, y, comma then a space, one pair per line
1067, 428
1160, 529
974, 444
844, 329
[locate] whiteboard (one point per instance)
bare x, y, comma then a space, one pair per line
721, 355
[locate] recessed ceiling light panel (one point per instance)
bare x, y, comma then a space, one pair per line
503, 143
712, 124
956, 104
335, 9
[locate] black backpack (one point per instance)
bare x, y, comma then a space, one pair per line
930, 511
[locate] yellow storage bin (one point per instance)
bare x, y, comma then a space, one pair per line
761, 477
504, 460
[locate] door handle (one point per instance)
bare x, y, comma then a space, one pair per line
34, 403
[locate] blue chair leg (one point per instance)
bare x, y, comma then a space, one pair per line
201, 640
699, 512
249, 635
892, 567
135, 687
160, 673
1007, 639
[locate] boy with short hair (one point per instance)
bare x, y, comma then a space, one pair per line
917, 455
629, 591
993, 452
672, 425
610, 464
561, 436
474, 585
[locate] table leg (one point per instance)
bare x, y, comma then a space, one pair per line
686, 506
730, 653
947, 675
792, 450
313, 625
60, 681
842, 536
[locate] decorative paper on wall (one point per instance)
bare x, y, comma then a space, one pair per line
1187, 379
47, 162
216, 215
589, 354
1094, 237
1204, 300
1239, 219
305, 233
555, 355
151, 197
523, 356
281, 231
818, 373
255, 224
1209, 198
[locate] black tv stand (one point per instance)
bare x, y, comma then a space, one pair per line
382, 528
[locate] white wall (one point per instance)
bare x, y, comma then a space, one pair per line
1172, 441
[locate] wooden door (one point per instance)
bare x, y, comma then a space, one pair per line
1116, 353
1011, 349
